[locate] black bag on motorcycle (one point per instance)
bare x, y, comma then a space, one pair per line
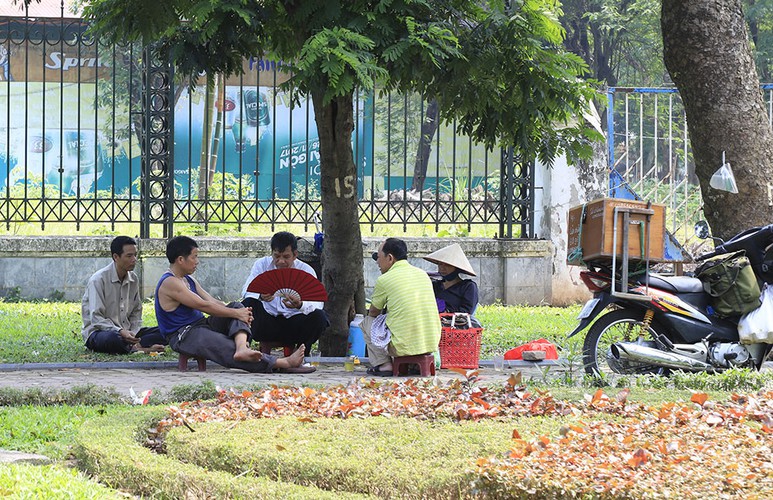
730, 281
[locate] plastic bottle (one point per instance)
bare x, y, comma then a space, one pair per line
356, 341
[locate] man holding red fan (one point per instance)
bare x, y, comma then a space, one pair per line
283, 318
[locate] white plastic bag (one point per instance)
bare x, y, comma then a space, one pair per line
757, 326
723, 179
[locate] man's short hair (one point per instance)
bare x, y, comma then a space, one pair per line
179, 246
116, 246
396, 247
282, 240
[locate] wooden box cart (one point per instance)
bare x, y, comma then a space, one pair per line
591, 230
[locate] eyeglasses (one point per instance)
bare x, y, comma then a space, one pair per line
375, 256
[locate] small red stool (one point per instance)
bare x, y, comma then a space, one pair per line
426, 363
182, 363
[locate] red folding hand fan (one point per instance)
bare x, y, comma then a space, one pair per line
290, 282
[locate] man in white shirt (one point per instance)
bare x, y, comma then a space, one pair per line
112, 309
283, 321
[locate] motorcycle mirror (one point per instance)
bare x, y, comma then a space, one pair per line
702, 229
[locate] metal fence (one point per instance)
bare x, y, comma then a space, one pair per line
96, 133
650, 153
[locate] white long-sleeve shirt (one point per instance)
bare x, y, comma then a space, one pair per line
276, 307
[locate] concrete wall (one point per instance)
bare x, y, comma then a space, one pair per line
511, 271
559, 188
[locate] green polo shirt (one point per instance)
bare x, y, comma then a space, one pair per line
412, 313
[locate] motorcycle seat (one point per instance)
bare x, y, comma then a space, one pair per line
675, 284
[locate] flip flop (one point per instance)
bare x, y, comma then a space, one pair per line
298, 369
375, 372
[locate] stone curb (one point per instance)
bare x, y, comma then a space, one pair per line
161, 365
16, 457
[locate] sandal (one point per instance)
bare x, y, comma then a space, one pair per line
375, 372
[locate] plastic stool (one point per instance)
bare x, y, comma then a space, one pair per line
426, 363
266, 347
182, 363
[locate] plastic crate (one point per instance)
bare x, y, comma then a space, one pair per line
459, 347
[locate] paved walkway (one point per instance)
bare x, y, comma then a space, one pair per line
163, 376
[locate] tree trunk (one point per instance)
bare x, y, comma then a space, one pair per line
708, 57
206, 138
219, 105
428, 128
342, 272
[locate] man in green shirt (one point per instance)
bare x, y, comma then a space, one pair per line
403, 294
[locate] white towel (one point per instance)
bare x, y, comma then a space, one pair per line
380, 335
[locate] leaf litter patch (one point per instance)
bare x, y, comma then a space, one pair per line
692, 449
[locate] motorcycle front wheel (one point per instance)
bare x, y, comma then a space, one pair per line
622, 325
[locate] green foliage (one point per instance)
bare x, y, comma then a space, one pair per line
13, 295
50, 481
306, 191
506, 327
339, 60
33, 188
498, 69
110, 447
732, 380
399, 114
58, 337
47, 430
40, 332
620, 41
192, 392
759, 15
267, 448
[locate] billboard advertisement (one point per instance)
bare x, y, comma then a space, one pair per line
69, 121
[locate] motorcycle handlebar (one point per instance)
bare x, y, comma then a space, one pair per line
760, 237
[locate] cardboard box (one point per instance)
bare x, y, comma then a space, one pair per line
595, 228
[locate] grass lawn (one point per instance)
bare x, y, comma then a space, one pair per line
312, 443
47, 332
290, 444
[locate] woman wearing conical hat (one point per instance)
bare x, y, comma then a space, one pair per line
453, 293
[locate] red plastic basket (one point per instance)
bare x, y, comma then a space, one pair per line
459, 347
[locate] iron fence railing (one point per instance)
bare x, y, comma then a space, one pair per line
98, 133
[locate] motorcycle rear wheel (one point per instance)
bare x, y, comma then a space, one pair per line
622, 325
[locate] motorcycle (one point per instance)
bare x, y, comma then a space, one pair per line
663, 323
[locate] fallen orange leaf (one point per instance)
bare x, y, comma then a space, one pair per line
699, 397
515, 379
622, 396
638, 458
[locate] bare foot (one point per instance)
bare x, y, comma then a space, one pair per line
248, 355
293, 360
386, 367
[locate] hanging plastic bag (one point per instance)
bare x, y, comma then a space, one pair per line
757, 326
723, 179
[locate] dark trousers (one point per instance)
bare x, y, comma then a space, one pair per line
111, 342
213, 338
299, 329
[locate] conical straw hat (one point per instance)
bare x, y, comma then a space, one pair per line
453, 256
